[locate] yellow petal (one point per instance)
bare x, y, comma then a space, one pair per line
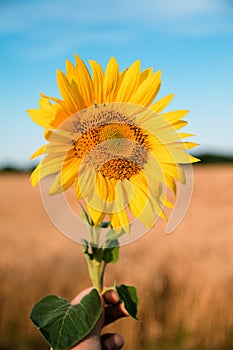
185, 158
162, 103
173, 117
165, 201
111, 80
54, 99
44, 115
84, 82
96, 216
180, 124
168, 154
34, 178
67, 91
49, 165
119, 221
174, 170
162, 137
87, 182
147, 91
100, 193
154, 171
129, 83
66, 177
56, 147
47, 134
185, 145
184, 135
77, 189
151, 185
121, 79
145, 74
73, 77
62, 110
105, 187
98, 78
140, 204
152, 121
39, 152
170, 183
177, 125
163, 162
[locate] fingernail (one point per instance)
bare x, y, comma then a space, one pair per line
111, 345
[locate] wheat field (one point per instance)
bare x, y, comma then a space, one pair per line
184, 280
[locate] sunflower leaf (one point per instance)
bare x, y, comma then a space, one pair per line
128, 295
86, 217
85, 245
111, 234
105, 224
62, 324
97, 253
111, 250
111, 255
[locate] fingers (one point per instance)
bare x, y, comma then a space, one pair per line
111, 341
111, 297
114, 309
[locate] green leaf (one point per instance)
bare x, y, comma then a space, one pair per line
111, 248
111, 251
111, 234
111, 255
128, 295
86, 217
62, 324
85, 245
111, 243
105, 224
97, 253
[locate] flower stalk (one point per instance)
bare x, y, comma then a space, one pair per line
98, 257
94, 256
96, 277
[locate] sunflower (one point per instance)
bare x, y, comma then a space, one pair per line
106, 138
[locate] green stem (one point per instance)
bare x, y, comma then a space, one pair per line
95, 235
89, 266
96, 280
102, 274
94, 264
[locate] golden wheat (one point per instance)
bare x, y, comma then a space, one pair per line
184, 280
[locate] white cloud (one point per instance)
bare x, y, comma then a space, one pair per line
182, 17
23, 15
53, 48
47, 28
178, 9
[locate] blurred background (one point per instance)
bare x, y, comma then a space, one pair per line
184, 280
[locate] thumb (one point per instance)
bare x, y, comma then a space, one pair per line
111, 341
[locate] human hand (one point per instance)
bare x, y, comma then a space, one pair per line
113, 309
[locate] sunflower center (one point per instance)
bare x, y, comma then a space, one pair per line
113, 131
116, 150
119, 169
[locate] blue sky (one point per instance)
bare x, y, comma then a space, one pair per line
190, 41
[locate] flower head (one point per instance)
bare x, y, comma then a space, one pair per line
107, 139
